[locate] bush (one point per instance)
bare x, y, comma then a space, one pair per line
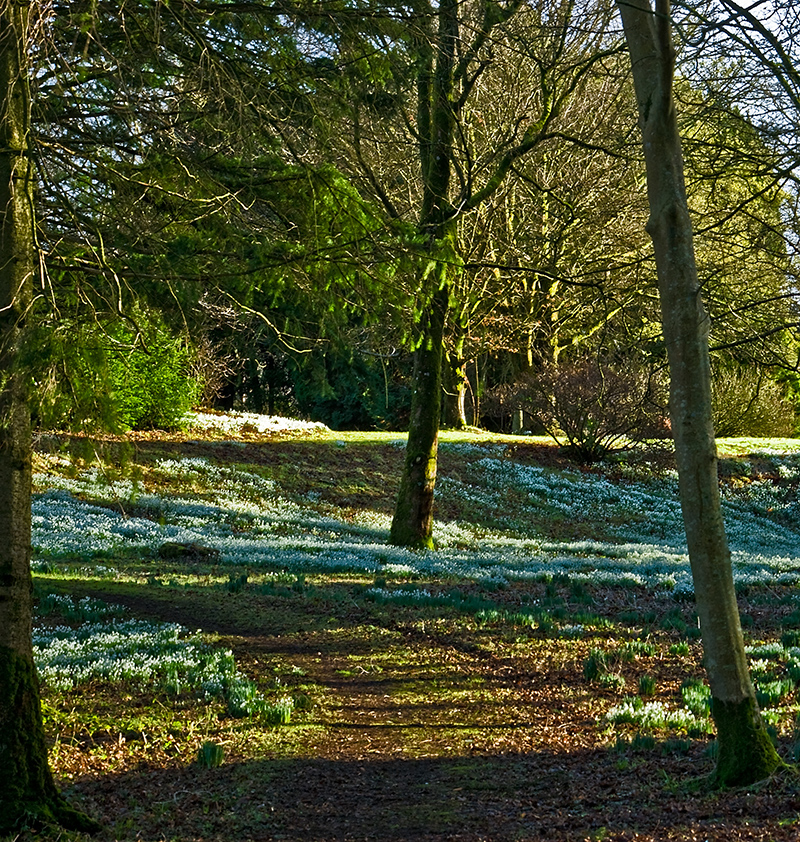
149, 377
591, 407
112, 376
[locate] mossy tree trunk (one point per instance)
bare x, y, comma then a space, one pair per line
745, 751
448, 68
412, 524
27, 791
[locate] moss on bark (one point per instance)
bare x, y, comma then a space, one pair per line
746, 753
412, 524
28, 795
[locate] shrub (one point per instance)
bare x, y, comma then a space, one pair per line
149, 376
592, 407
113, 375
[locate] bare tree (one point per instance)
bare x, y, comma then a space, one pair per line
746, 753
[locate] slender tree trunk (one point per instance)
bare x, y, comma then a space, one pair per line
27, 791
455, 415
745, 751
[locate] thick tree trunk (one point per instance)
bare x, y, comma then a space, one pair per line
27, 791
745, 751
412, 524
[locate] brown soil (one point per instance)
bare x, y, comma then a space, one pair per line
524, 760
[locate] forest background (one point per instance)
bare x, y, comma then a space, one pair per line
244, 206
259, 206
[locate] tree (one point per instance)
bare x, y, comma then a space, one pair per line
166, 188
744, 59
28, 793
460, 175
746, 753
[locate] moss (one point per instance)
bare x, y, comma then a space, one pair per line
412, 525
29, 795
746, 753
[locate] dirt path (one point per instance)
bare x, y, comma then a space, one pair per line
458, 739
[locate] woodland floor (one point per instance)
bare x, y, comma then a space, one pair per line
420, 723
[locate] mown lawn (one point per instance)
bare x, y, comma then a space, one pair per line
230, 650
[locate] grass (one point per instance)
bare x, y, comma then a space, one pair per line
282, 672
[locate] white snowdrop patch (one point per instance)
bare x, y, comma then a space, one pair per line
246, 519
163, 656
234, 422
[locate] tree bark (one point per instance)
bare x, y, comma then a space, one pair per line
27, 791
746, 753
412, 524
455, 369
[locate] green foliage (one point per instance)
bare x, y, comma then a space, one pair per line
210, 755
643, 742
647, 685
350, 391
770, 693
236, 584
113, 375
596, 665
612, 681
82, 610
696, 697
746, 402
151, 383
634, 648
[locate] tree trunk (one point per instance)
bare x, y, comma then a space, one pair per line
455, 416
27, 792
745, 751
412, 524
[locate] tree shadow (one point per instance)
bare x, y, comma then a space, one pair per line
578, 795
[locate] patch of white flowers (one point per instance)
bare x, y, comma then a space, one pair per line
653, 715
243, 516
776, 673
233, 422
162, 655
127, 650
400, 595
